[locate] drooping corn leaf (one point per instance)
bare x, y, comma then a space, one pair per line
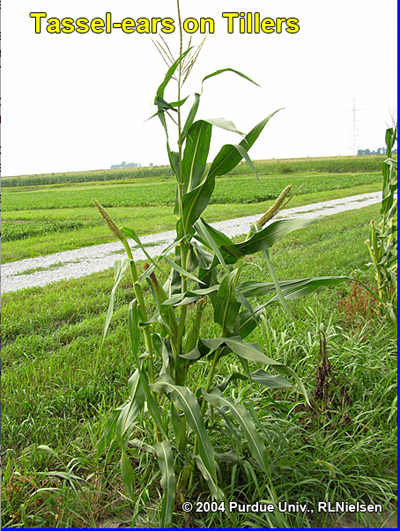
258, 376
186, 401
206, 236
132, 408
128, 475
109, 432
244, 419
229, 157
292, 288
166, 462
180, 269
222, 123
229, 70
269, 380
131, 233
216, 492
162, 104
252, 352
181, 299
223, 243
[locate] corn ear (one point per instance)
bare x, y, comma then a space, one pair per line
374, 240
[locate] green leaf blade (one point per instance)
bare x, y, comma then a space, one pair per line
244, 419
221, 71
166, 461
195, 154
128, 475
186, 401
120, 267
271, 235
229, 157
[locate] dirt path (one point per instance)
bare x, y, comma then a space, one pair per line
81, 262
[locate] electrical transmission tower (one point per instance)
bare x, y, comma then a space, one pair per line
354, 133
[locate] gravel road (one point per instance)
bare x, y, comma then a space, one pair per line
81, 262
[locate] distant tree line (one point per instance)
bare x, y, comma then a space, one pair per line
125, 165
379, 151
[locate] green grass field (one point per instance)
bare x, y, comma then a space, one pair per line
56, 404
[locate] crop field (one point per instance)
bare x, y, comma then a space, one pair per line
264, 167
237, 189
57, 217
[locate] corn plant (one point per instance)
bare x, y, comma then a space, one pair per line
382, 244
206, 269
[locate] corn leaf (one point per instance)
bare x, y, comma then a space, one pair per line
271, 235
108, 433
120, 267
229, 70
172, 156
226, 305
190, 118
249, 320
216, 492
186, 401
166, 462
131, 410
244, 419
171, 106
221, 240
252, 352
222, 123
229, 157
139, 443
269, 380
195, 154
194, 203
131, 233
206, 236
180, 269
162, 352
258, 376
169, 74
181, 299
128, 475
291, 289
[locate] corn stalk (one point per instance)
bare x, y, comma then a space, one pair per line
382, 244
206, 270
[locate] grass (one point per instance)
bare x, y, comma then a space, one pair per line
55, 406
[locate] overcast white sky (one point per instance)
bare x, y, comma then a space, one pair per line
79, 101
